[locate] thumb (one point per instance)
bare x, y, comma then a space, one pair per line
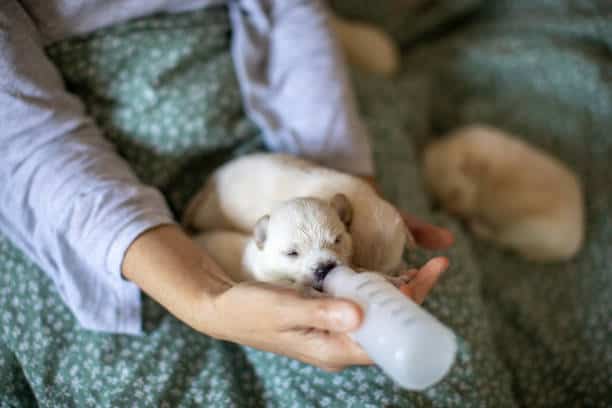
425, 279
332, 314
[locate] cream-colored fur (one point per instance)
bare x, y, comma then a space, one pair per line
242, 191
508, 192
227, 249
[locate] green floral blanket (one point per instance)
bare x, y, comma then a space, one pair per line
164, 91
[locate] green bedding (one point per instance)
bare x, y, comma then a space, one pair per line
164, 91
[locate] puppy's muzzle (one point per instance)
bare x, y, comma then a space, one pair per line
321, 272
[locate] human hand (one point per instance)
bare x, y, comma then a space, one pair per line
172, 269
310, 329
167, 264
419, 282
286, 321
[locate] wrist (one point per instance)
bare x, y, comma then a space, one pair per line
167, 264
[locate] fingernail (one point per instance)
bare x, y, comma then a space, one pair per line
444, 263
344, 317
437, 263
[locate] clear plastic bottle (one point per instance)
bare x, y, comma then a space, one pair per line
413, 347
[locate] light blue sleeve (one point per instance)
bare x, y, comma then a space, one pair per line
294, 82
70, 203
66, 198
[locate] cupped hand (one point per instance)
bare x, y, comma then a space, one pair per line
171, 268
310, 329
285, 321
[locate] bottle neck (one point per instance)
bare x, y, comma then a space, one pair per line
338, 279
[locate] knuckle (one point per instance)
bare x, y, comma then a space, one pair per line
324, 311
332, 369
322, 308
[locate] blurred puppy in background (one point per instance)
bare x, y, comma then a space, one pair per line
508, 192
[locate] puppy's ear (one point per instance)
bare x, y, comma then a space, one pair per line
260, 231
343, 207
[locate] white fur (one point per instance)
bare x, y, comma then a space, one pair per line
508, 192
301, 236
308, 227
245, 189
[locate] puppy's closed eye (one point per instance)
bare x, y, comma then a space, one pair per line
292, 253
338, 239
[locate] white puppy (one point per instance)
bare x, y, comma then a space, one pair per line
242, 191
508, 192
299, 242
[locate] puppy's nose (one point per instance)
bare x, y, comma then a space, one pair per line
323, 269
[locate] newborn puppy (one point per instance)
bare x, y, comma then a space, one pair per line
227, 250
299, 242
242, 191
508, 192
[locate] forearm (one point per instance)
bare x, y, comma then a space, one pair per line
69, 202
166, 264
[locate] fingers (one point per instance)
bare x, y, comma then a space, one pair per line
314, 328
425, 279
325, 313
407, 276
287, 309
426, 235
284, 321
329, 351
339, 351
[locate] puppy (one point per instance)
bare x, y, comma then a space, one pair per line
508, 192
298, 243
242, 191
227, 250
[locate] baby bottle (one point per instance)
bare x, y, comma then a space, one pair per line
406, 342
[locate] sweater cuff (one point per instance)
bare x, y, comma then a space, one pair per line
128, 234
